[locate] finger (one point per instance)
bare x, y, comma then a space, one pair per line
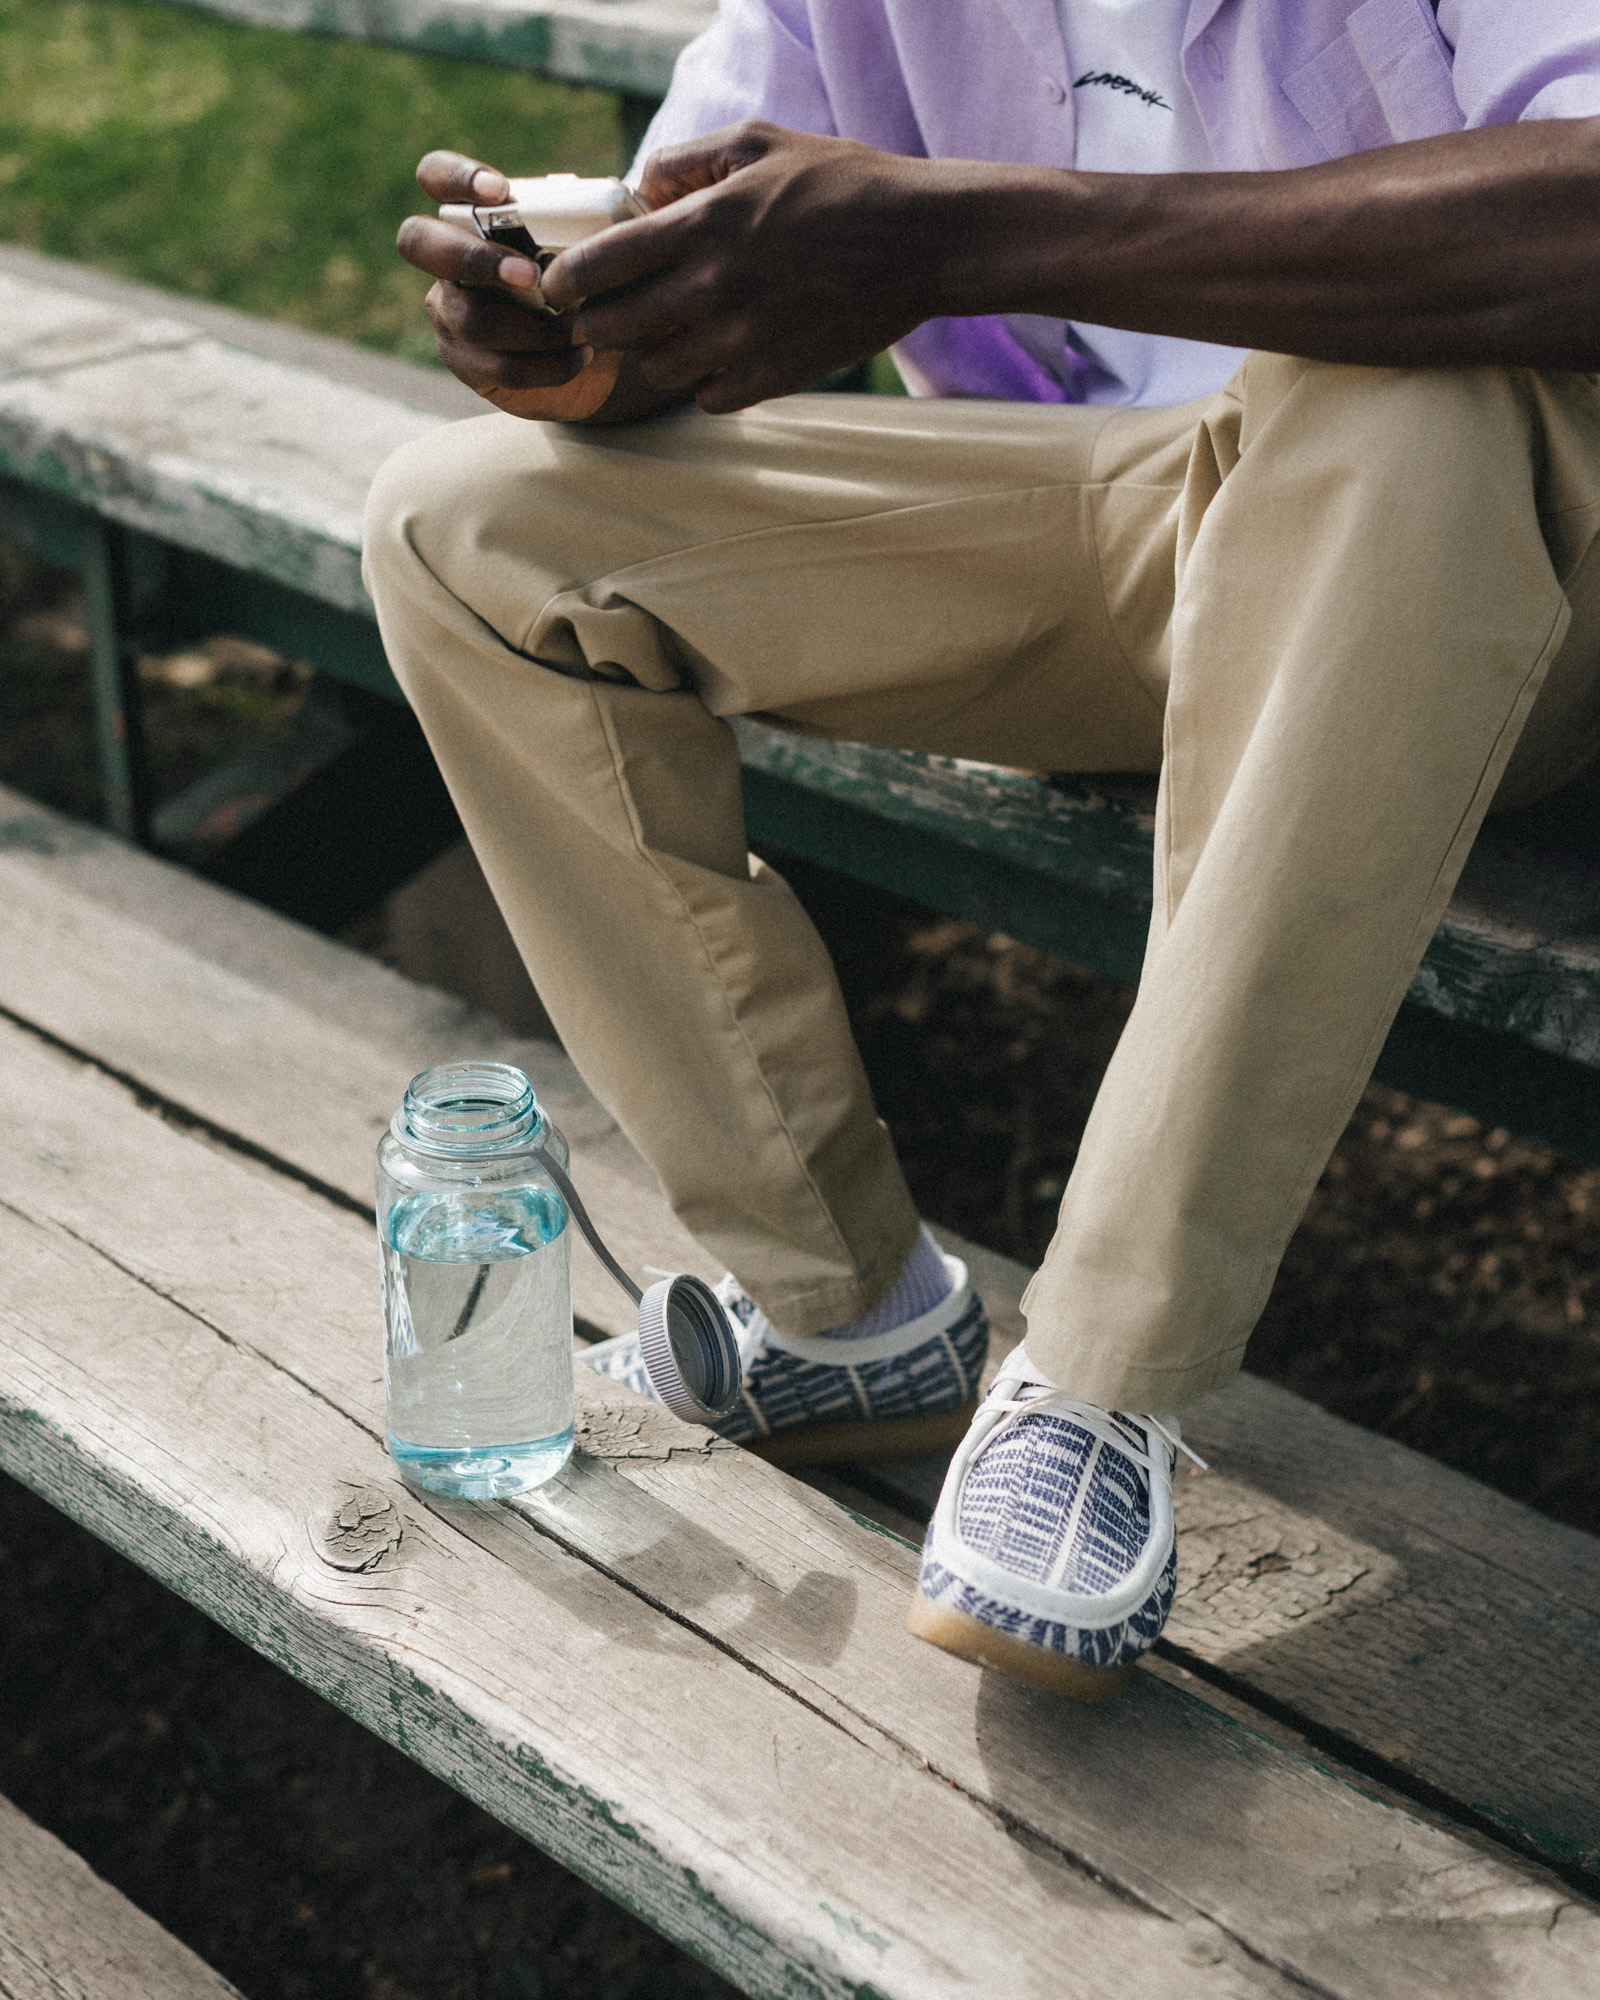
732, 373
571, 403
738, 389
481, 368
684, 296
455, 177
486, 319
621, 255
692, 356
700, 163
678, 182
445, 251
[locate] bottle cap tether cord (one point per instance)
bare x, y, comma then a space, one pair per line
685, 1341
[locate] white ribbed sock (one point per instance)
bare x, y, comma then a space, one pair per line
922, 1283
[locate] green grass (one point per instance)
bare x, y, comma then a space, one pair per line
261, 169
264, 170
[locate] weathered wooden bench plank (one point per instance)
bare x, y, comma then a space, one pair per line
1503, 1015
240, 458
626, 45
1420, 1626
419, 387
67, 1935
1425, 1905
1518, 949
677, 1631
1371, 1594
212, 1006
201, 1392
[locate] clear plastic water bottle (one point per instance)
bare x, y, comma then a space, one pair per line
477, 1285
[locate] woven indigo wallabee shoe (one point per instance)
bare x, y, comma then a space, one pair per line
1052, 1554
827, 1401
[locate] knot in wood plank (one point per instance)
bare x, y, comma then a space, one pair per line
364, 1531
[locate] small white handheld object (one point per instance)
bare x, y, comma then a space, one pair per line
547, 214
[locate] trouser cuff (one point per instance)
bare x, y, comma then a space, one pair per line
1114, 1382
802, 1310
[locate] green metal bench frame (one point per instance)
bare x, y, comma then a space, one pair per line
626, 46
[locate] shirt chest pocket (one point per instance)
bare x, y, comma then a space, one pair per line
1386, 78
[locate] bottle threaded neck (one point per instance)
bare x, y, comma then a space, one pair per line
461, 1109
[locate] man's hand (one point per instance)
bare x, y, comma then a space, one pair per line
779, 256
517, 357
770, 258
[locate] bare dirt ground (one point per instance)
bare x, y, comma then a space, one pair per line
1443, 1289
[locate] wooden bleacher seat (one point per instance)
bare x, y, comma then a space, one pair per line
1361, 1758
622, 45
1361, 1761
67, 1935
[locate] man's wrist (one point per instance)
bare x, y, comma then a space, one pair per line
1007, 236
1477, 248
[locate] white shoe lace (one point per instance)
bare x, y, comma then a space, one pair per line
1113, 1430
749, 1334
1128, 1434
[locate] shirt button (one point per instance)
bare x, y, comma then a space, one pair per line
1053, 91
1213, 56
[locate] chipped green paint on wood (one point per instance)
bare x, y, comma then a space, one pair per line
247, 460
1519, 949
626, 45
233, 528
102, 941
1067, 868
611, 1723
38, 524
559, 1814
219, 597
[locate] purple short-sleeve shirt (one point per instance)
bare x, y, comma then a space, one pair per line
1277, 83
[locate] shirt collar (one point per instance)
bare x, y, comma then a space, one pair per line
1201, 14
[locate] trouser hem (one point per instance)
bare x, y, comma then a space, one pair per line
1114, 1383
800, 1311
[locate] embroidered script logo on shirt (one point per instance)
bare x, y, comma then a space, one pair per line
1126, 85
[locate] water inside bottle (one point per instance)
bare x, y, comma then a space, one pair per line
478, 1339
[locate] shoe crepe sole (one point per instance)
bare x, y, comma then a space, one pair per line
859, 1443
970, 1639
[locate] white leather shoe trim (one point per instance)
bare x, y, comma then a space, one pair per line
830, 1353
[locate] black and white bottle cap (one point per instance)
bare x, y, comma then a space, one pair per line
688, 1348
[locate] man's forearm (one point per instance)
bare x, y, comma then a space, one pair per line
1481, 247
773, 256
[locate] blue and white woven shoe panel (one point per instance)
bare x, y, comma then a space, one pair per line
929, 1366
1019, 1501
1055, 1524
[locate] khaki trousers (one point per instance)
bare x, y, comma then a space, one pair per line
1323, 604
